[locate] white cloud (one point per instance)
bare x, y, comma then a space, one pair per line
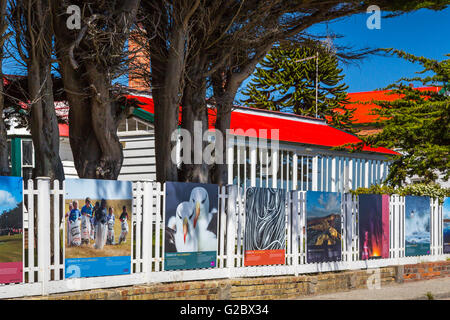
7, 200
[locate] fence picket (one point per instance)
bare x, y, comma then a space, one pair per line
138, 226
43, 234
295, 228
231, 223
288, 223
221, 231
56, 233
30, 192
147, 213
158, 228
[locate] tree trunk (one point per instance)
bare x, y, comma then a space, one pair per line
195, 120
94, 115
4, 152
167, 76
166, 122
105, 124
224, 94
93, 123
225, 85
220, 170
83, 142
44, 123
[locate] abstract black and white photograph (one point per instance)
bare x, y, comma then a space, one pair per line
265, 229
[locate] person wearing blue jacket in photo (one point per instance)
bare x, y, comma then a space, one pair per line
75, 214
74, 224
87, 208
100, 221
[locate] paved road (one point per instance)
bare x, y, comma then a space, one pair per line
439, 289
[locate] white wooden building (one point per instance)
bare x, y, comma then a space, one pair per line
306, 158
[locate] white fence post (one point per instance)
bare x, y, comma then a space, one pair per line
440, 223
31, 234
315, 173
302, 225
294, 229
231, 225
436, 227
396, 226
221, 227
146, 229
43, 232
348, 224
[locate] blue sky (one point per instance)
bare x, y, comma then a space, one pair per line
423, 33
322, 204
420, 205
446, 208
11, 189
98, 189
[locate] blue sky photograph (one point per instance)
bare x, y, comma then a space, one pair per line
322, 204
11, 193
446, 208
420, 206
98, 189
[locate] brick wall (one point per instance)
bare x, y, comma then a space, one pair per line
140, 63
425, 271
264, 288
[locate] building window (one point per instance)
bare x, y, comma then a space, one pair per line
27, 159
304, 172
9, 154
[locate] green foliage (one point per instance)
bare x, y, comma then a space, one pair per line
418, 124
432, 190
374, 189
11, 219
284, 83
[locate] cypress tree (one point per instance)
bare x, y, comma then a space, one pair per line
417, 125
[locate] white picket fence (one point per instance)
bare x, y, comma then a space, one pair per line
44, 241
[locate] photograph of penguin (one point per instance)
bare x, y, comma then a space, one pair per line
191, 217
184, 236
202, 220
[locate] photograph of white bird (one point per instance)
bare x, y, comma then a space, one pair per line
207, 240
183, 225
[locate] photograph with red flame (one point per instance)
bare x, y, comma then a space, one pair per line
373, 226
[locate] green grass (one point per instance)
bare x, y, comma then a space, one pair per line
11, 248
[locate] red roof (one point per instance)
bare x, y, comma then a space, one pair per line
297, 130
63, 130
362, 112
292, 128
